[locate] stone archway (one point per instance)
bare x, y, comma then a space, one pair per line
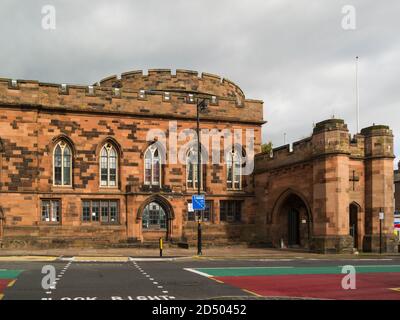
292, 220
155, 216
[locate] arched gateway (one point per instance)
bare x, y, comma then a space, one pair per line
292, 219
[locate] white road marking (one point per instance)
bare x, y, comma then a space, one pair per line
280, 267
269, 260
155, 283
156, 259
58, 278
198, 272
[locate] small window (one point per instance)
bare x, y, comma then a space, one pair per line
207, 214
230, 210
51, 211
86, 211
104, 211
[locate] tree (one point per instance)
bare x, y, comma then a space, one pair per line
266, 147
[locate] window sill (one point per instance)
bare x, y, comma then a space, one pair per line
45, 223
154, 230
191, 190
231, 222
109, 188
98, 223
202, 222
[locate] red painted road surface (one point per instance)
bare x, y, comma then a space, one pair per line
3, 284
322, 286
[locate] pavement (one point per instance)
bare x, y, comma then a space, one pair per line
222, 273
232, 252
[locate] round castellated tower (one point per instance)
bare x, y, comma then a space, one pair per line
183, 80
331, 137
378, 141
379, 177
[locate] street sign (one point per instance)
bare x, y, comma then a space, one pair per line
381, 216
190, 207
199, 202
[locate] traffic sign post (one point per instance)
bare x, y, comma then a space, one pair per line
198, 202
381, 217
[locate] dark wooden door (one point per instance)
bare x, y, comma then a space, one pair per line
353, 221
293, 227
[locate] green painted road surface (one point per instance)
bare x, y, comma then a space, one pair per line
275, 271
9, 274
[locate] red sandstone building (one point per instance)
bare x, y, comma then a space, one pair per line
77, 168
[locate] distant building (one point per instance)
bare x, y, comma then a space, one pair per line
397, 188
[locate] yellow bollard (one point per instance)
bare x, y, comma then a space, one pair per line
161, 246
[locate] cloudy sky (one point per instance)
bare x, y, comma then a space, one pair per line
292, 54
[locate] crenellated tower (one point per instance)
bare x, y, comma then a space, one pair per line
378, 187
331, 150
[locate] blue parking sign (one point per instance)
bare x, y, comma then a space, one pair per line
199, 202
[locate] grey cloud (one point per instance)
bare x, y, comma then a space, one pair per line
294, 55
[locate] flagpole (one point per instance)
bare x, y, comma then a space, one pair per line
357, 98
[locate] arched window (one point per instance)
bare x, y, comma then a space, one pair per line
191, 170
152, 166
62, 164
154, 217
234, 170
108, 166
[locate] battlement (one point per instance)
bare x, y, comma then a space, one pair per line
330, 137
299, 151
330, 125
115, 95
377, 130
186, 80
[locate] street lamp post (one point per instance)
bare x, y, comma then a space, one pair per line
202, 101
201, 106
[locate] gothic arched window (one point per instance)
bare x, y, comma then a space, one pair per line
234, 171
154, 217
62, 162
152, 166
108, 166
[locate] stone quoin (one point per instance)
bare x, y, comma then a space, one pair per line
77, 169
